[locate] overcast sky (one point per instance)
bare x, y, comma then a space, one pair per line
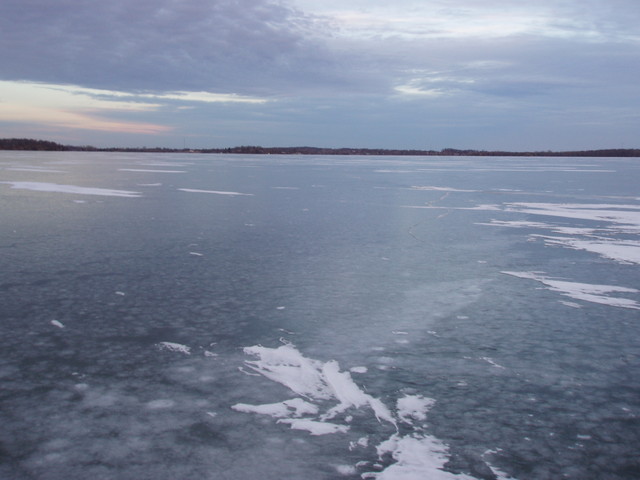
485, 74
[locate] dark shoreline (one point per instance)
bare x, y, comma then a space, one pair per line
26, 144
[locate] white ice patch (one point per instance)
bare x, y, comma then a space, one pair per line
540, 225
314, 379
492, 362
216, 192
622, 251
34, 169
295, 407
417, 456
149, 170
483, 207
314, 427
615, 219
413, 407
54, 187
174, 347
625, 214
440, 189
583, 291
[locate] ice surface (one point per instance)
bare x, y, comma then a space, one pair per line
98, 402
216, 192
54, 187
583, 291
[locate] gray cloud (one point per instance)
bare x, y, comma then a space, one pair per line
215, 45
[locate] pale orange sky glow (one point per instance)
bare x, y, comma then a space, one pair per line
38, 117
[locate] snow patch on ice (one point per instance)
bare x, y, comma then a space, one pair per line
314, 427
34, 169
416, 456
149, 170
216, 192
295, 407
622, 251
174, 347
583, 291
54, 187
413, 407
440, 189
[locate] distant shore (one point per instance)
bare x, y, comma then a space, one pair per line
28, 144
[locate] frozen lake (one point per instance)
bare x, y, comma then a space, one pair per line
174, 316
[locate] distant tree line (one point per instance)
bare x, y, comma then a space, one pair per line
30, 144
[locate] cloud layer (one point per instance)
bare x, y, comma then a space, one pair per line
311, 71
